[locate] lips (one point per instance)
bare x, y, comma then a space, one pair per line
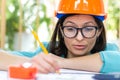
79, 47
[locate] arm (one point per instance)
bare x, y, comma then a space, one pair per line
103, 62
88, 63
7, 59
52, 63
109, 59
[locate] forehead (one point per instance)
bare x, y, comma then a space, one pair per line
81, 19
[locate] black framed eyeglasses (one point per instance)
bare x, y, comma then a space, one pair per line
87, 32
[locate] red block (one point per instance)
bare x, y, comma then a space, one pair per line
22, 73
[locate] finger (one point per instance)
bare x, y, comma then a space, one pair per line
60, 60
40, 69
43, 63
52, 62
48, 63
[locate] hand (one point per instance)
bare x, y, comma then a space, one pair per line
47, 63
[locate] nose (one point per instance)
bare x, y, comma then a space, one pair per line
79, 36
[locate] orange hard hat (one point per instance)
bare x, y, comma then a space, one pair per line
91, 7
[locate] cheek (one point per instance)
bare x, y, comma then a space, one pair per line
67, 42
91, 43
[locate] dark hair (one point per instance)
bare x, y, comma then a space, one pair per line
58, 47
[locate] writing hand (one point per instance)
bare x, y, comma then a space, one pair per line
46, 63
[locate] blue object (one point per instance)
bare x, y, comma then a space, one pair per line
106, 77
101, 18
110, 61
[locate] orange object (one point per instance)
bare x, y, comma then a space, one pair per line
92, 7
22, 73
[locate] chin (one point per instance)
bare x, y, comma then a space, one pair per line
79, 54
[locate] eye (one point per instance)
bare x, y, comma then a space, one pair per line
69, 29
89, 28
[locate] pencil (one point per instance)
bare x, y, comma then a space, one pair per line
37, 39
40, 43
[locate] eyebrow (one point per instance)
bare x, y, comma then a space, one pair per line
86, 23
70, 22
89, 22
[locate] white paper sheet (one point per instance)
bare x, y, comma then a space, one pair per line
3, 75
70, 71
66, 74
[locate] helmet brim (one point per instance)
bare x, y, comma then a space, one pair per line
101, 18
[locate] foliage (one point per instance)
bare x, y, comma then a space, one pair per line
12, 21
30, 9
113, 15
